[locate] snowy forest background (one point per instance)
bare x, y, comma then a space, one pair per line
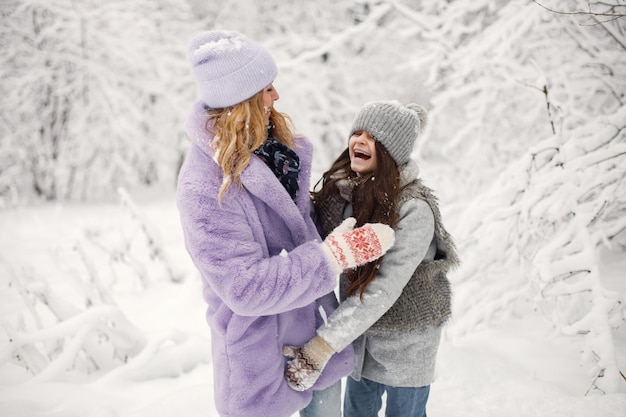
526, 149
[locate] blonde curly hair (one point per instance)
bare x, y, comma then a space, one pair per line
239, 130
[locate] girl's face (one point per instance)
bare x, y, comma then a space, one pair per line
362, 150
270, 95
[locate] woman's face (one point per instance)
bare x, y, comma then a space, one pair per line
362, 150
270, 95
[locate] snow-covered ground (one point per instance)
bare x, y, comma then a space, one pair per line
517, 367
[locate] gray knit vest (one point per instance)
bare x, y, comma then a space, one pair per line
426, 299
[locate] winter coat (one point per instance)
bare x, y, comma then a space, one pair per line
265, 276
397, 352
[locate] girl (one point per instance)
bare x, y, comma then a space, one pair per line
247, 227
393, 308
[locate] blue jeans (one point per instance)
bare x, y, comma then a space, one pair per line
364, 399
325, 403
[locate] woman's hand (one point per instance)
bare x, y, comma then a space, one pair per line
350, 247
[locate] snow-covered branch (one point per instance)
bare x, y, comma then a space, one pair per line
86, 103
91, 340
553, 211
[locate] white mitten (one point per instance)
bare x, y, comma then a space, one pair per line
345, 226
353, 247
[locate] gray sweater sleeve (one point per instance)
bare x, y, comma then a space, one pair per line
412, 239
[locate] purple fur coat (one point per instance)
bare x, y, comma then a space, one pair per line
265, 277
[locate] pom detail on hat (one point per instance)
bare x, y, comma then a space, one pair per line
422, 114
228, 67
395, 126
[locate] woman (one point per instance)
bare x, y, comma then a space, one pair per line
393, 308
245, 212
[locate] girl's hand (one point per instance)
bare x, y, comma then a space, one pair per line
307, 363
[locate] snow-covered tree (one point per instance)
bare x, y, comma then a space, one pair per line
529, 111
90, 94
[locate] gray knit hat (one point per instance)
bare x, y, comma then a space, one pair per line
395, 126
228, 67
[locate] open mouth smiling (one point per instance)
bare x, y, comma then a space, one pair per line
361, 155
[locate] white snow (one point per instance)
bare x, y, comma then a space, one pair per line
519, 367
218, 46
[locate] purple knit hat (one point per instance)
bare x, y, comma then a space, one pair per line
228, 67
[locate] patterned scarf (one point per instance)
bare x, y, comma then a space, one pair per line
283, 162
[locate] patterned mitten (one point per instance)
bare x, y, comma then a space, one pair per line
350, 247
307, 363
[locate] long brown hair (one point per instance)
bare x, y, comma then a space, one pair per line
239, 130
374, 200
